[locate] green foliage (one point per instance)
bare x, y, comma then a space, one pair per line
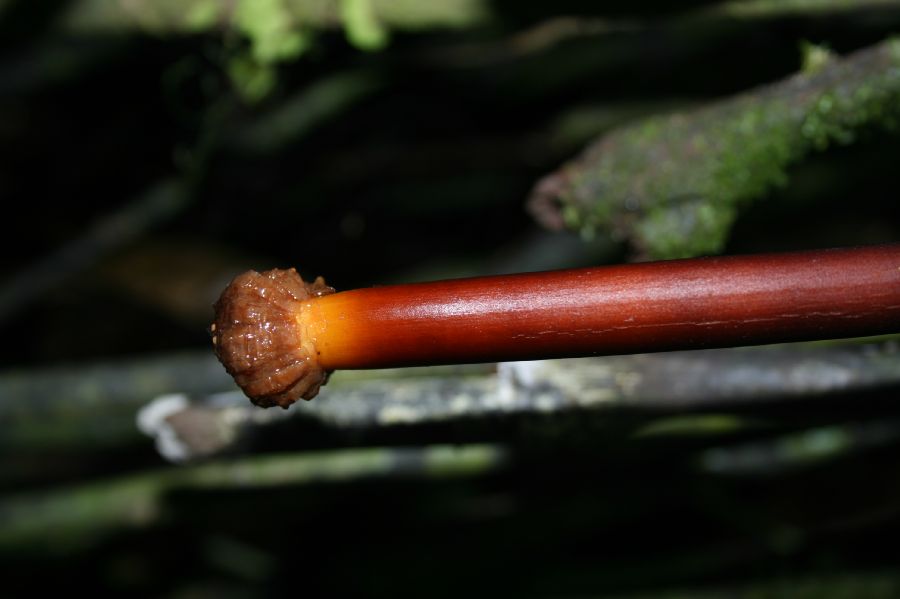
277, 31
202, 15
252, 80
274, 37
272, 32
363, 29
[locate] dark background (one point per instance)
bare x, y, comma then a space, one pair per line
136, 179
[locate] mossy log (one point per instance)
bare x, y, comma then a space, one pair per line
60, 520
691, 392
673, 185
93, 405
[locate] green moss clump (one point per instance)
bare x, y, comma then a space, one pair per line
276, 31
673, 185
363, 29
273, 34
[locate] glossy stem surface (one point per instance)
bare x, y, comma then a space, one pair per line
678, 304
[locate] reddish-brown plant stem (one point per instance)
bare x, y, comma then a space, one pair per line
679, 304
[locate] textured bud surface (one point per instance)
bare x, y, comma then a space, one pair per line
258, 337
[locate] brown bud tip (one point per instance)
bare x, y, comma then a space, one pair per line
258, 337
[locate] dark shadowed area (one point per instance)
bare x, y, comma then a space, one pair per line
152, 150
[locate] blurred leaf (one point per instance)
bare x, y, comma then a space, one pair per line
273, 33
363, 28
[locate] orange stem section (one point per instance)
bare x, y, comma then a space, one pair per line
679, 304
